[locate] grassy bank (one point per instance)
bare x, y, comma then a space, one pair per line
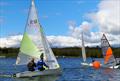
71, 51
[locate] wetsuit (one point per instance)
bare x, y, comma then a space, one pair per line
40, 65
31, 66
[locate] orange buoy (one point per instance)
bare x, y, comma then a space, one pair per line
96, 64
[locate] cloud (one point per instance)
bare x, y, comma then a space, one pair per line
76, 31
71, 23
107, 17
54, 41
63, 41
92, 38
10, 41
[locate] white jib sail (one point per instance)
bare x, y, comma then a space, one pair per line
83, 49
34, 42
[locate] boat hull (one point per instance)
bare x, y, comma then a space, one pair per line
90, 65
115, 67
86, 64
48, 72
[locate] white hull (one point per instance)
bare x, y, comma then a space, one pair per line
111, 67
115, 67
90, 65
86, 64
39, 73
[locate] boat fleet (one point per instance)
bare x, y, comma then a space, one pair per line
34, 43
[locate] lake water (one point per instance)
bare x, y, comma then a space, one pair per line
71, 68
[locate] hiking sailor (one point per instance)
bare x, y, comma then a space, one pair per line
41, 65
31, 65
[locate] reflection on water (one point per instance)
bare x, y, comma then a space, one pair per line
40, 78
112, 74
71, 71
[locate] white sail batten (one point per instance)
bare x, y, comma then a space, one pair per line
83, 49
34, 42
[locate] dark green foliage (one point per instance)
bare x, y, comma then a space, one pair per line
71, 51
9, 52
67, 51
116, 52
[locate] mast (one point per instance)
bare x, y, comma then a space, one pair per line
83, 49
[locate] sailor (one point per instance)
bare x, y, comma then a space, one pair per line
31, 65
41, 65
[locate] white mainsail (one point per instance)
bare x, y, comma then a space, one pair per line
83, 49
34, 42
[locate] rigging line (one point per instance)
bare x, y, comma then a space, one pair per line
105, 38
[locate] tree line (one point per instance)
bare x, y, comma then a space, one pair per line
69, 51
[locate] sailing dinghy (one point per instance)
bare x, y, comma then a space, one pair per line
33, 44
109, 59
84, 63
